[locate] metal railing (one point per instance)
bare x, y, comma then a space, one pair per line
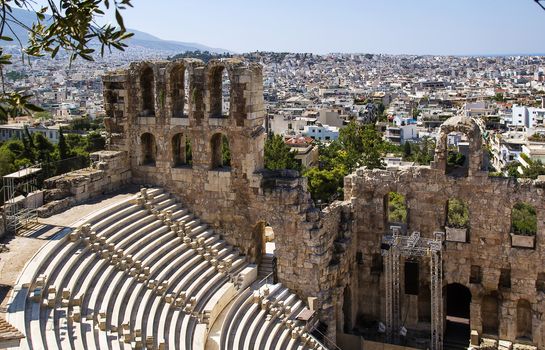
325, 342
269, 279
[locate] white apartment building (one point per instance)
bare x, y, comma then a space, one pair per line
530, 117
11, 131
321, 132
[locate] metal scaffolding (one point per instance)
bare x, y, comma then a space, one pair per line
394, 246
20, 202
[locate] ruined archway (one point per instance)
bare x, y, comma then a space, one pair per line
181, 151
177, 91
147, 87
472, 145
220, 152
219, 92
457, 313
148, 149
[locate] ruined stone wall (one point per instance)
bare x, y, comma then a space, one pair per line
109, 171
234, 199
490, 201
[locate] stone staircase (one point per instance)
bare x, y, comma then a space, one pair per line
146, 273
266, 267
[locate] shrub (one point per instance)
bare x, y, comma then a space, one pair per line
457, 214
524, 219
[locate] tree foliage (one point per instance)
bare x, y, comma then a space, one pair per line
278, 155
71, 26
457, 214
397, 208
357, 145
72, 152
524, 219
225, 151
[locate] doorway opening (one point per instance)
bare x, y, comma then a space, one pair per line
457, 331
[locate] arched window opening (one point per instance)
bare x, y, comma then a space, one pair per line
220, 87
524, 320
221, 154
489, 314
181, 151
147, 86
457, 155
225, 93
187, 92
396, 210
149, 149
524, 219
177, 93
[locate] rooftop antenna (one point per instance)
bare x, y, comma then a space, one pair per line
541, 3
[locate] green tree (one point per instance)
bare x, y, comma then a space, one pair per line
94, 142
278, 155
72, 26
407, 151
44, 148
373, 147
324, 184
63, 146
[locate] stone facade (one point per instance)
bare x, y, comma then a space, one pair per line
108, 172
235, 199
508, 276
334, 254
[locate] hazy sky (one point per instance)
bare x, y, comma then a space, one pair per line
320, 26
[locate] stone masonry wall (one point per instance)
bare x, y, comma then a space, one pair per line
234, 199
109, 171
490, 201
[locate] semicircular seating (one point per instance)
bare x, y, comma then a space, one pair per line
145, 273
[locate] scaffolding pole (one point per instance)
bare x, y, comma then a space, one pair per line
395, 246
20, 202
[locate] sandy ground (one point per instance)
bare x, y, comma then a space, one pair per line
20, 250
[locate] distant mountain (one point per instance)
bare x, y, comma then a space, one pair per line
140, 39
152, 42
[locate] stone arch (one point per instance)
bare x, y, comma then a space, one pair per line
524, 319
181, 150
148, 147
490, 306
472, 131
219, 85
220, 151
147, 88
177, 90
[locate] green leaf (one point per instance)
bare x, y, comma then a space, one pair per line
119, 20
